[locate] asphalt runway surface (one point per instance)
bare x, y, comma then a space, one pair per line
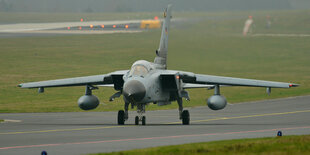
92, 132
22, 27
60, 29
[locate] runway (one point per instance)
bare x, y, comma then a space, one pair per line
25, 27
56, 29
92, 132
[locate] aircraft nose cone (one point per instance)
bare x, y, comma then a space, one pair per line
134, 91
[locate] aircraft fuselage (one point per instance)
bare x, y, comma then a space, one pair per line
142, 84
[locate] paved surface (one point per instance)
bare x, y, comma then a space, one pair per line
91, 132
61, 28
24, 27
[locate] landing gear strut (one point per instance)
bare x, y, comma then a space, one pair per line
184, 114
140, 111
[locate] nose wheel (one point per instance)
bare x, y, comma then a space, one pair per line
138, 119
143, 120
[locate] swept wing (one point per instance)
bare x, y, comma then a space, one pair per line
193, 80
77, 81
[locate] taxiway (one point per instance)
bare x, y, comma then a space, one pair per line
92, 132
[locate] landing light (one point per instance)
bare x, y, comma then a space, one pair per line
177, 77
114, 26
91, 26
126, 26
102, 26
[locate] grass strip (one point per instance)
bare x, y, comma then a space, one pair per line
212, 45
274, 145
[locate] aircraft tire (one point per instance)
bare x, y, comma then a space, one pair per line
185, 117
143, 120
121, 117
136, 120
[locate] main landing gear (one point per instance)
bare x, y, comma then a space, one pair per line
184, 114
123, 115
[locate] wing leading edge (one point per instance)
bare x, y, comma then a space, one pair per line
77, 81
209, 80
221, 80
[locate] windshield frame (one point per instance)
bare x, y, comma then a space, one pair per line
138, 70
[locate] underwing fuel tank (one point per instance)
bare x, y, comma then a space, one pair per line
217, 102
88, 102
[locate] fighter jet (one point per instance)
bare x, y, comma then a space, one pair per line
151, 82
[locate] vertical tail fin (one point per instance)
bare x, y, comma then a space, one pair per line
161, 53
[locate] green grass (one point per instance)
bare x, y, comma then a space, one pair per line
208, 46
278, 145
1, 120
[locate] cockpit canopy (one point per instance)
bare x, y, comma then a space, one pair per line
138, 70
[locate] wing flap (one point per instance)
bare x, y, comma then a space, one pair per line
191, 85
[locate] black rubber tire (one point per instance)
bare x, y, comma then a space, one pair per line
136, 120
121, 117
185, 117
143, 120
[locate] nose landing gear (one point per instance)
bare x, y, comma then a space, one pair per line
138, 119
123, 115
140, 111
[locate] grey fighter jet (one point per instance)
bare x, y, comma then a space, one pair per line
151, 82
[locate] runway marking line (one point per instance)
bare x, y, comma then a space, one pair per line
11, 120
246, 116
206, 120
151, 138
58, 130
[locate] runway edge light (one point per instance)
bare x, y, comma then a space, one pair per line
43, 153
279, 134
